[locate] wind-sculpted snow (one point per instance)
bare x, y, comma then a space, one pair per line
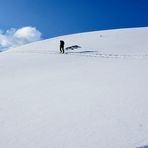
94, 96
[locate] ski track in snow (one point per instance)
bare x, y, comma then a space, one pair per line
87, 54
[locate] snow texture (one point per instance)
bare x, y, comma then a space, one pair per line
91, 97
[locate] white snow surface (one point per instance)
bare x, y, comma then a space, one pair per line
95, 96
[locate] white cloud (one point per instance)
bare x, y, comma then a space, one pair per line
16, 37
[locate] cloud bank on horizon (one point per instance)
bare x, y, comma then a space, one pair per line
16, 37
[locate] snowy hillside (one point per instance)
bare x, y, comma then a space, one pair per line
94, 96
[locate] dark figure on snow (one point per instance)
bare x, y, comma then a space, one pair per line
62, 46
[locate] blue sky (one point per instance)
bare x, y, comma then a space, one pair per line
60, 17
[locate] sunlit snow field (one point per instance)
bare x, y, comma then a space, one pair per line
95, 96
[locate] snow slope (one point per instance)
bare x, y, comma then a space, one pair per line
91, 97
